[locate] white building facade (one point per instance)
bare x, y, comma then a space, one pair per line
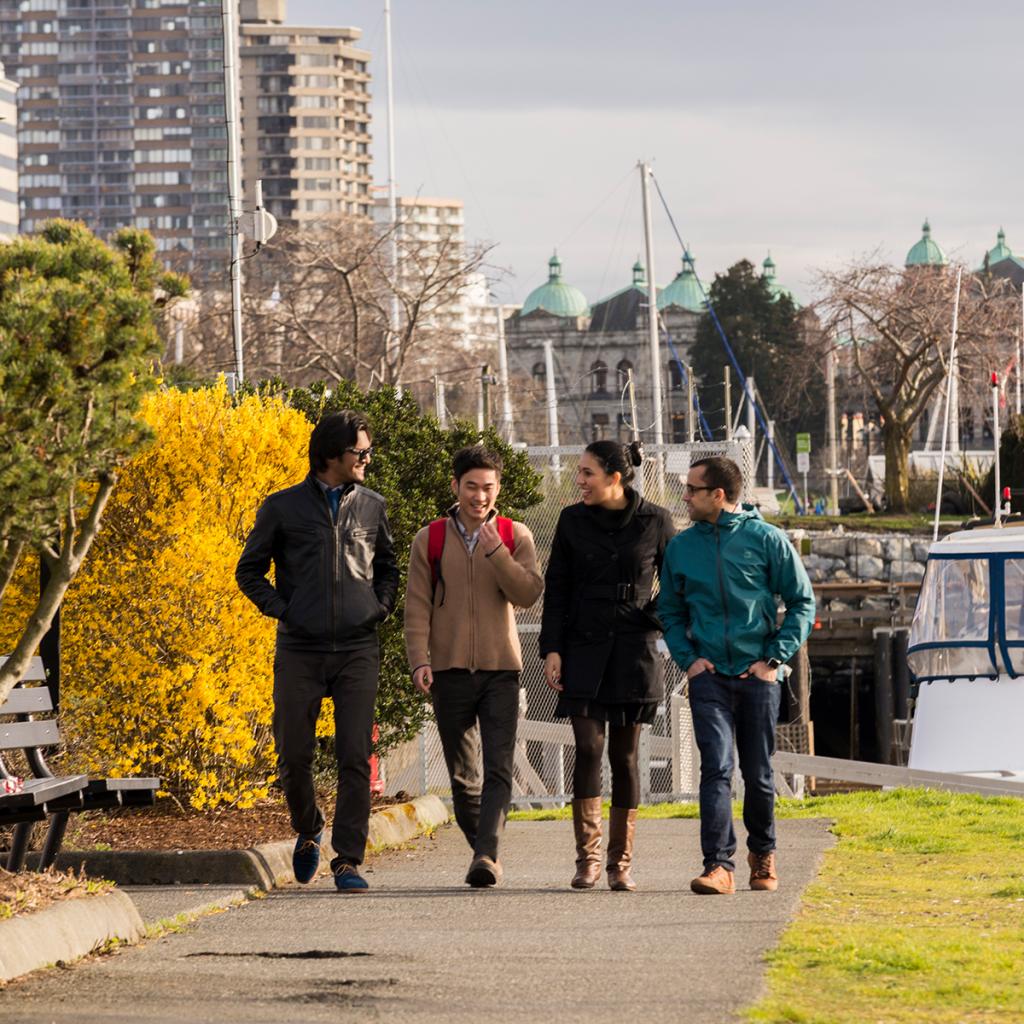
8, 157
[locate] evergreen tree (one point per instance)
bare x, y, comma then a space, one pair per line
78, 341
764, 332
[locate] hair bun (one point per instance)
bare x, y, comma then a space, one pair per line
636, 452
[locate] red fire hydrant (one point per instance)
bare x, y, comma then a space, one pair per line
376, 782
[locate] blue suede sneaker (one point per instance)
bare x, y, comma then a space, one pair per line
306, 857
348, 879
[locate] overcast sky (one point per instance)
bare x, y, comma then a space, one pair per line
818, 131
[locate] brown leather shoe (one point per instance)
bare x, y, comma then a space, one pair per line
718, 881
762, 872
483, 872
621, 833
586, 823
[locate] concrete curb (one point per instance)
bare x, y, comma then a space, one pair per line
187, 905
265, 866
66, 931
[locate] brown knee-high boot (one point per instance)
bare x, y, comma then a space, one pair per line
621, 831
586, 823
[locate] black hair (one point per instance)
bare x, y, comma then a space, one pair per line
476, 456
333, 434
618, 458
721, 472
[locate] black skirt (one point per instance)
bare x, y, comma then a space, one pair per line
632, 713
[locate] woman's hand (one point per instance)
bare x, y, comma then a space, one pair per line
553, 671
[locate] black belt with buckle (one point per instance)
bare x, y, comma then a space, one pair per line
621, 593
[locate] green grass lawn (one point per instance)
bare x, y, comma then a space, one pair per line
917, 914
912, 523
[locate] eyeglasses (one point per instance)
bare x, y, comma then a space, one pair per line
361, 454
690, 489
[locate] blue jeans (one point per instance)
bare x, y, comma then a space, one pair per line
724, 707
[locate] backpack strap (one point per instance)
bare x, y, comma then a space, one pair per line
507, 532
436, 533
435, 548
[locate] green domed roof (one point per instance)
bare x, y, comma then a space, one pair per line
1000, 251
556, 297
684, 292
926, 253
777, 289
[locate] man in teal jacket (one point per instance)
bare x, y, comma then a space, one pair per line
719, 583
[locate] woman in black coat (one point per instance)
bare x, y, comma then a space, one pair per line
597, 639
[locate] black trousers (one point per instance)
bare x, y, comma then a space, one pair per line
477, 714
301, 681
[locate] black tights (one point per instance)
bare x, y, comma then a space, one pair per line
622, 747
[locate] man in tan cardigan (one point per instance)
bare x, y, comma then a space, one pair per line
463, 646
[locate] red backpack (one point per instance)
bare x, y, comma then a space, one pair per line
435, 546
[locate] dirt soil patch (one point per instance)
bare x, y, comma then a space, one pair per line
167, 827
23, 892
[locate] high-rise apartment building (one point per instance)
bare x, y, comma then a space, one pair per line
121, 119
8, 157
305, 116
431, 233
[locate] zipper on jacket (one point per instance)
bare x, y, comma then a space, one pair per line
721, 590
336, 578
332, 582
472, 606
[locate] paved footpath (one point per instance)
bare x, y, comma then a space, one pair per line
422, 947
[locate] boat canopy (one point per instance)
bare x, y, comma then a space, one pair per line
969, 621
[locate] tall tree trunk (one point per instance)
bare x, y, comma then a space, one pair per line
896, 438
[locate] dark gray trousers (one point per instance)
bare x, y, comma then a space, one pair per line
302, 679
477, 714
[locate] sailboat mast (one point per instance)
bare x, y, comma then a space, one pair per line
652, 309
950, 369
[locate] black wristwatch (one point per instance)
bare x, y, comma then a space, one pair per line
772, 663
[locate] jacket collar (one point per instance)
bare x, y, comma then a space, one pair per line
320, 489
731, 520
637, 507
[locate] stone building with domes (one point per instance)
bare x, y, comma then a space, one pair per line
594, 347
926, 252
1001, 261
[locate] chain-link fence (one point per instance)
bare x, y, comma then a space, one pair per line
545, 752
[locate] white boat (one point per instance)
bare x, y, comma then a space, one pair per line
966, 653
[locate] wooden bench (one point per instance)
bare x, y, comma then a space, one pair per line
46, 795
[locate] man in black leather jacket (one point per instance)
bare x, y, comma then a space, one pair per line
335, 581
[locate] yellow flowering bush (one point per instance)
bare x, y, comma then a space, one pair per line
168, 668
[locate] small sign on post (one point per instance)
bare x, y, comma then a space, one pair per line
803, 459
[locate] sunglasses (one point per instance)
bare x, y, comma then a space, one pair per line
689, 489
361, 454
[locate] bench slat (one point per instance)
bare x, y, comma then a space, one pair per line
35, 673
126, 784
27, 700
38, 792
15, 735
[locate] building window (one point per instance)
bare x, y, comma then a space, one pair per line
599, 378
539, 372
622, 372
599, 426
675, 375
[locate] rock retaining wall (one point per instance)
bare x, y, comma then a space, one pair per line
862, 556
